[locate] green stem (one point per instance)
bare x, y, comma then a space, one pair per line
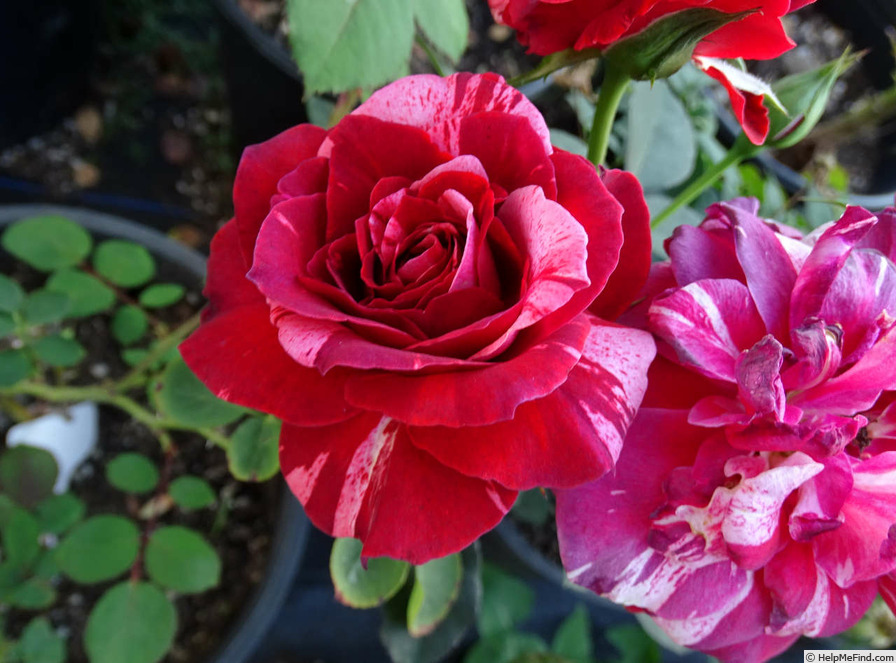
430, 54
740, 151
104, 395
136, 377
611, 92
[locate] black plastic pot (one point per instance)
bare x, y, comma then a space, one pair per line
180, 263
46, 51
263, 84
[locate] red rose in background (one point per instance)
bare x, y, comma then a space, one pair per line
414, 293
549, 26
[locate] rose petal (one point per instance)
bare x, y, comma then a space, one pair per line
364, 479
227, 286
864, 547
633, 266
261, 168
566, 438
708, 323
467, 397
748, 107
438, 105
237, 355
362, 152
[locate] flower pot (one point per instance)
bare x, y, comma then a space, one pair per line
46, 49
263, 84
251, 622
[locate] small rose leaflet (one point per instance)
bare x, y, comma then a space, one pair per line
755, 499
424, 295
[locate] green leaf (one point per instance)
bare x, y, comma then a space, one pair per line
572, 640
633, 644
661, 149
131, 622
27, 474
33, 594
46, 567
129, 324
47, 242
58, 513
190, 493
504, 647
40, 643
185, 399
11, 294
21, 534
14, 367
132, 473
99, 548
405, 648
133, 356
159, 295
57, 350
88, 294
805, 96
253, 452
179, 558
358, 587
124, 263
436, 588
46, 306
7, 324
356, 43
506, 601
446, 24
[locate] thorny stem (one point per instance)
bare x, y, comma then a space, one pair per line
611, 92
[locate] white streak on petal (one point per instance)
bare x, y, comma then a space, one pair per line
361, 470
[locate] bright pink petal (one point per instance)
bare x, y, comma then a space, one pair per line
758, 372
467, 397
261, 168
438, 105
708, 323
569, 437
821, 500
864, 547
767, 266
237, 355
364, 479
603, 527
825, 262
633, 266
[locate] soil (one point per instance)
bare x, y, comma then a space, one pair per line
239, 526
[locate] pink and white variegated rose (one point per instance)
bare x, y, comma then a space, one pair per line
755, 497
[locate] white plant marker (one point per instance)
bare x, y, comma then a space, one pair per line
69, 436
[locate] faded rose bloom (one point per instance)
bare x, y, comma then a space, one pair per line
755, 498
549, 26
410, 292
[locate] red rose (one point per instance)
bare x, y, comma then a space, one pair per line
549, 26
408, 292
